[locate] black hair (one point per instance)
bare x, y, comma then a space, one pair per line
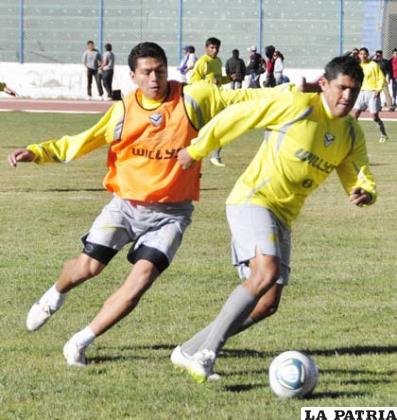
346, 65
235, 53
279, 54
191, 49
213, 41
143, 50
108, 47
269, 51
364, 49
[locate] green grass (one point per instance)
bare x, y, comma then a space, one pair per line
340, 305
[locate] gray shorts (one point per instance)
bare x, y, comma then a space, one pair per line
158, 226
255, 227
368, 99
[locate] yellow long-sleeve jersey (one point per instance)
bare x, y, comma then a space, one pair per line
374, 79
202, 101
303, 143
208, 69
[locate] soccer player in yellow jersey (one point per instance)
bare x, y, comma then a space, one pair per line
306, 137
209, 68
152, 195
369, 97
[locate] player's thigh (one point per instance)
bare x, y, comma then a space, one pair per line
374, 103
160, 244
109, 233
257, 233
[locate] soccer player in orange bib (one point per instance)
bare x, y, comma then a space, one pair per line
152, 195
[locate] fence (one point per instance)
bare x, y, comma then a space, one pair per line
308, 32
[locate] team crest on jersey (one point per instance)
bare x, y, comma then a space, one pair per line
328, 139
156, 119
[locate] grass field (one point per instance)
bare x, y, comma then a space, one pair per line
340, 306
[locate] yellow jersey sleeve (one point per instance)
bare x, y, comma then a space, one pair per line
231, 123
68, 148
203, 100
354, 170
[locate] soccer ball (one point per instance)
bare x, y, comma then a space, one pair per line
292, 374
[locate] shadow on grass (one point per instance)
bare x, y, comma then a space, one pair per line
354, 350
243, 353
61, 190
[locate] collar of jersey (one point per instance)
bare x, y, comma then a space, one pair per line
326, 107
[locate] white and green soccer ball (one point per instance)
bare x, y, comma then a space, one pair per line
292, 374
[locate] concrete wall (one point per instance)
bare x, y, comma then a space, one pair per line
68, 81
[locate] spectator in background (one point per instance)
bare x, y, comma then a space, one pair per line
209, 68
92, 61
278, 67
386, 70
354, 53
4, 88
369, 96
235, 69
187, 63
269, 63
393, 72
254, 67
107, 67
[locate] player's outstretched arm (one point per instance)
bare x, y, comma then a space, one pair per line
360, 197
20, 155
184, 159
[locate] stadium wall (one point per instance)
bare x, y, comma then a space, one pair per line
68, 81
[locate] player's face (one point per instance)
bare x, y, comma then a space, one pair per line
212, 50
363, 55
151, 77
340, 94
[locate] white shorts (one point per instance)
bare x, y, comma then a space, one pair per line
368, 99
255, 226
158, 226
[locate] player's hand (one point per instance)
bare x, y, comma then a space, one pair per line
184, 159
360, 197
308, 87
20, 155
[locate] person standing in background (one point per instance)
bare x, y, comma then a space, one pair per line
278, 67
107, 67
269, 63
209, 68
235, 69
187, 63
92, 61
254, 67
369, 96
386, 70
393, 71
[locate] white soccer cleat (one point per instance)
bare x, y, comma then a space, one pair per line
39, 314
383, 139
202, 365
74, 355
182, 360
